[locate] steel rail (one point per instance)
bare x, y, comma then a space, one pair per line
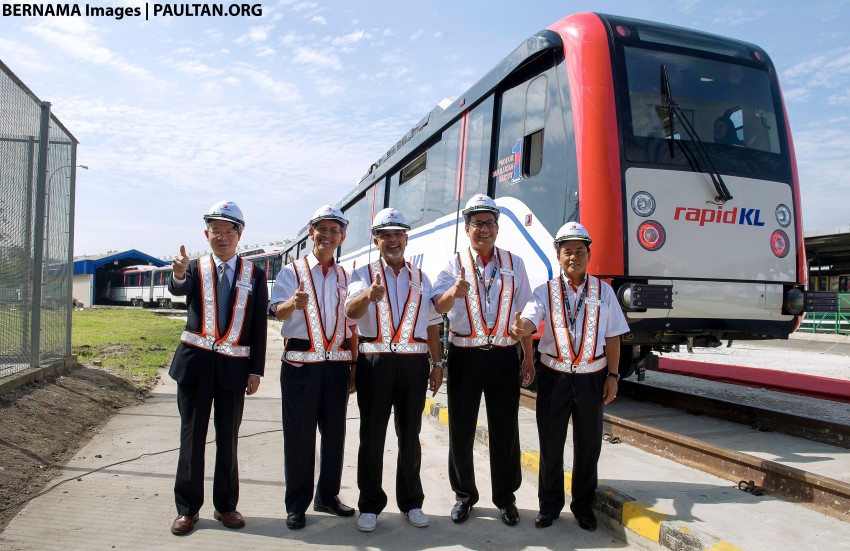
823, 494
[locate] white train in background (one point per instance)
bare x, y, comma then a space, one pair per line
148, 285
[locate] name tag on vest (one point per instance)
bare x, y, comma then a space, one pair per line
506, 272
245, 286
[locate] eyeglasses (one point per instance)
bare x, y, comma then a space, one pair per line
229, 234
490, 224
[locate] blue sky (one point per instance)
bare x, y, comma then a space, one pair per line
285, 112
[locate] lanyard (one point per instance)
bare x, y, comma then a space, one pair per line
572, 317
488, 286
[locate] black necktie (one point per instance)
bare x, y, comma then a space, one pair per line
222, 298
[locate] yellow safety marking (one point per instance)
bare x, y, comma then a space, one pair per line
568, 482
444, 415
724, 546
428, 403
643, 519
531, 460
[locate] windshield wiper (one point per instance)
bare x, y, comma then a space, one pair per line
673, 108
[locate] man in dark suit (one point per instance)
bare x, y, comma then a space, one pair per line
220, 359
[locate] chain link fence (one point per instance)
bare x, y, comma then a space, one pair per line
37, 175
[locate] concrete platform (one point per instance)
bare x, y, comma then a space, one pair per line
646, 502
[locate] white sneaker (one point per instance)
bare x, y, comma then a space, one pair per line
367, 522
416, 518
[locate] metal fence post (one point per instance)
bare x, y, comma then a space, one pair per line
38, 237
70, 303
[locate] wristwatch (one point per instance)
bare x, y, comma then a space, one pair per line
432, 363
615, 375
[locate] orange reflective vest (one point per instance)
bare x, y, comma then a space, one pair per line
391, 339
321, 348
575, 359
211, 337
480, 334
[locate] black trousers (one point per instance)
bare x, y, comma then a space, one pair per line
561, 396
195, 403
315, 395
388, 382
495, 373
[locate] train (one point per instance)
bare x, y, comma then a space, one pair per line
672, 146
148, 285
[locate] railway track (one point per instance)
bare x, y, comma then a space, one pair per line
821, 493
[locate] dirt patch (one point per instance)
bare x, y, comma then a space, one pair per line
44, 424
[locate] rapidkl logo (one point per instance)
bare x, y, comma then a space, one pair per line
743, 216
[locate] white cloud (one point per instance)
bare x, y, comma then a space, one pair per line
280, 91
350, 39
318, 20
827, 69
800, 95
80, 39
738, 16
415, 36
313, 58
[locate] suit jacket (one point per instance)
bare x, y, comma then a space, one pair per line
190, 363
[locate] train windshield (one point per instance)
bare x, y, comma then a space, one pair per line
730, 103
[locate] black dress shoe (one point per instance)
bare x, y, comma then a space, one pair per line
544, 520
585, 518
460, 512
338, 508
295, 521
510, 515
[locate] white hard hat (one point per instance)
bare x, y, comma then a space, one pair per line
389, 219
572, 231
480, 203
227, 211
329, 212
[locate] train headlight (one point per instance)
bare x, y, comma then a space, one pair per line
651, 235
795, 301
779, 243
643, 203
783, 215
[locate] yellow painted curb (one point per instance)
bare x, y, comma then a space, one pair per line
428, 403
724, 546
531, 460
444, 416
568, 482
643, 519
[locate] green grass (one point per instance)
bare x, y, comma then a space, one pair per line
134, 343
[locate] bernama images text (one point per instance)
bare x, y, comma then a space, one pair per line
149, 10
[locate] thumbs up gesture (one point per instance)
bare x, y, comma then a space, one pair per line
520, 328
180, 263
461, 287
376, 290
300, 297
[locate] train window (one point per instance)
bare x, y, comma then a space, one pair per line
530, 120
415, 167
479, 134
146, 279
359, 215
409, 195
844, 284
533, 158
274, 266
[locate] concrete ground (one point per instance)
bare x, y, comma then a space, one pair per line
130, 505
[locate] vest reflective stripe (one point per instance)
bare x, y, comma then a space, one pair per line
210, 337
389, 338
321, 348
480, 335
581, 361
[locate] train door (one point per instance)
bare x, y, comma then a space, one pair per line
534, 177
